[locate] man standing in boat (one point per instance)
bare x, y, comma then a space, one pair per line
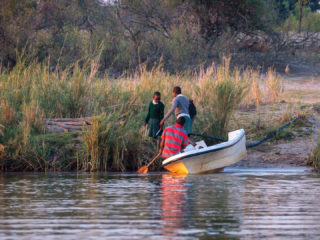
174, 139
180, 106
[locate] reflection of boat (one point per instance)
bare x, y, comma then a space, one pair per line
173, 203
209, 159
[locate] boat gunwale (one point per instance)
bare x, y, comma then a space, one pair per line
205, 152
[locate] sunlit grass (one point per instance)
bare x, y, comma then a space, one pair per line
31, 92
314, 158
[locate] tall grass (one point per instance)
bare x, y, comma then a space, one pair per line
113, 141
314, 158
31, 92
218, 92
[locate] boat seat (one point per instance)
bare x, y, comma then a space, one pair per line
198, 144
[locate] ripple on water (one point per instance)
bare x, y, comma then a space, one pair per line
237, 204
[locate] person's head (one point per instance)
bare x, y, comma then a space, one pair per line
156, 97
181, 121
176, 91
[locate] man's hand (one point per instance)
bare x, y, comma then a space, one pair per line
161, 124
192, 142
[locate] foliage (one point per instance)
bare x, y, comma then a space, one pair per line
288, 7
309, 23
216, 15
180, 34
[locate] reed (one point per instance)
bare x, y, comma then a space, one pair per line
314, 158
113, 141
31, 92
274, 84
219, 92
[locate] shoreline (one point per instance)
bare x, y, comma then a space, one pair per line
290, 149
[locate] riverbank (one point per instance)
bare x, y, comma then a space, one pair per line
114, 138
301, 93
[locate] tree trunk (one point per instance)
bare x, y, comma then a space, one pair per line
300, 17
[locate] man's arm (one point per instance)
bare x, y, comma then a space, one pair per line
192, 142
186, 142
183, 147
174, 105
162, 144
163, 139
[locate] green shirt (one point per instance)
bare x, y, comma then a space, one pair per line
156, 111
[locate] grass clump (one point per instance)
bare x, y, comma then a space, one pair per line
219, 92
314, 158
112, 144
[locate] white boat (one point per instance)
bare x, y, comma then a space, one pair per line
208, 159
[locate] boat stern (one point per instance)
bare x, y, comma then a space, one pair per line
177, 167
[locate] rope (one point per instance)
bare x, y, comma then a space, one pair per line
207, 136
270, 135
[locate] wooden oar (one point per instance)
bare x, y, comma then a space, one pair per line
144, 169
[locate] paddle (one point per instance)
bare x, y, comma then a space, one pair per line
159, 132
144, 169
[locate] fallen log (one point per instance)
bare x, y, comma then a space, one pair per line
57, 125
73, 130
71, 126
85, 119
55, 129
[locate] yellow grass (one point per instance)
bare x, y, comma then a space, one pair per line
32, 92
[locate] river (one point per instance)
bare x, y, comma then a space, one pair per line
236, 204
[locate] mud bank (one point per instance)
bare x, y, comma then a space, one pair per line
299, 90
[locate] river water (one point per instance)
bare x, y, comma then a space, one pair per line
236, 204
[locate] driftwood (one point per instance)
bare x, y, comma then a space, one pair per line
57, 125
55, 129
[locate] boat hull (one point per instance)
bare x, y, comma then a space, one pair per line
211, 160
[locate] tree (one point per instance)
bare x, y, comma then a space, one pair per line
16, 27
217, 16
301, 3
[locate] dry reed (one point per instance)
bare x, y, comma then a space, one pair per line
31, 92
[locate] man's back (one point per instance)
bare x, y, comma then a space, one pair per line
182, 103
175, 138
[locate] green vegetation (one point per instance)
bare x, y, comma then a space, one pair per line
309, 23
79, 58
182, 35
31, 92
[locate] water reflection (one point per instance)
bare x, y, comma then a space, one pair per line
173, 203
236, 205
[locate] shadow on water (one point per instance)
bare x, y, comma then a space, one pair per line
236, 204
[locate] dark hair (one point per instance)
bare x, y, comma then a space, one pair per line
158, 94
177, 90
181, 121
